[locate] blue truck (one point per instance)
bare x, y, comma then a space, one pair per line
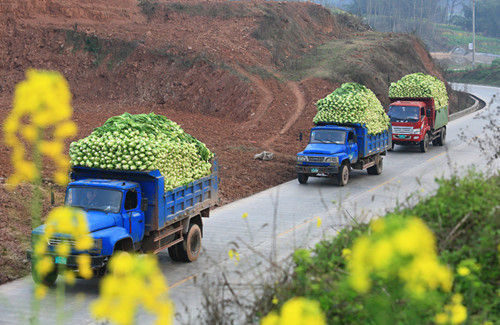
131, 211
334, 149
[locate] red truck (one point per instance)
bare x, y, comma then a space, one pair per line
415, 121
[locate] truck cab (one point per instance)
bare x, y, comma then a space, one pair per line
115, 217
416, 122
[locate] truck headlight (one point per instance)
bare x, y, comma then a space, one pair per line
332, 160
416, 131
97, 247
301, 158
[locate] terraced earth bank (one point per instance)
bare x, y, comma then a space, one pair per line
240, 76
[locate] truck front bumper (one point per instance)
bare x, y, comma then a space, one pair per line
96, 261
315, 170
406, 139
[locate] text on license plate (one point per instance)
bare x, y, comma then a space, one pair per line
61, 260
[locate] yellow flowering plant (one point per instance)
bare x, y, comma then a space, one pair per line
43, 100
296, 311
133, 281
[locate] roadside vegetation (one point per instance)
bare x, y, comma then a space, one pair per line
482, 74
437, 262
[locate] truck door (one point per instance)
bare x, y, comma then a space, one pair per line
352, 147
134, 217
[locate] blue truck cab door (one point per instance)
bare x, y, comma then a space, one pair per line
133, 215
352, 147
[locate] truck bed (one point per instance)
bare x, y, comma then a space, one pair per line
164, 207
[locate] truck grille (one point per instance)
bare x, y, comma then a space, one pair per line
402, 129
315, 159
54, 241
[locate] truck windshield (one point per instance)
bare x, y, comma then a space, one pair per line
328, 136
91, 198
404, 113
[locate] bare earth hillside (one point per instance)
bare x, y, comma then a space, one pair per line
240, 76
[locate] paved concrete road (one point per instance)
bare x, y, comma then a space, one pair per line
281, 219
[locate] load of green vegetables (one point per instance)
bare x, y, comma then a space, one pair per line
353, 103
418, 85
144, 142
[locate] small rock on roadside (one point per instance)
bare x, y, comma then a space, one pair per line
264, 155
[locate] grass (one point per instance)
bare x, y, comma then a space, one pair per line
463, 214
481, 74
115, 50
455, 37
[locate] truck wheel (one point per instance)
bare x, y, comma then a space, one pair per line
377, 168
173, 252
48, 280
439, 141
343, 175
424, 144
189, 249
302, 178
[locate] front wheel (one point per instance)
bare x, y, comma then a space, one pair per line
424, 144
343, 175
48, 280
302, 178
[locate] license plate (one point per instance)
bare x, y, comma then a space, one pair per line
61, 260
314, 170
401, 136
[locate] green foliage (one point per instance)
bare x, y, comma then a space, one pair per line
353, 103
463, 214
148, 7
116, 51
144, 142
481, 74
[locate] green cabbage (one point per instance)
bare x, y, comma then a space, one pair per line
353, 103
420, 85
144, 142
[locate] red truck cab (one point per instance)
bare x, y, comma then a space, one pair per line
415, 121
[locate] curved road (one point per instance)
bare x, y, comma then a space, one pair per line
281, 219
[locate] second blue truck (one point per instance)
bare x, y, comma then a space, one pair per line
334, 149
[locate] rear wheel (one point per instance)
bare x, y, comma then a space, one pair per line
343, 175
377, 168
424, 144
302, 178
189, 249
48, 280
439, 141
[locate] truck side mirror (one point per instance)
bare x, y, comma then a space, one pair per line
144, 204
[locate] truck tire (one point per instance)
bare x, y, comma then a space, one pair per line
48, 280
439, 141
189, 249
343, 175
377, 168
424, 144
302, 178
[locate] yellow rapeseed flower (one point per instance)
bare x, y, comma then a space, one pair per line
84, 269
40, 291
318, 222
297, 311
463, 271
133, 281
44, 100
403, 248
245, 215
